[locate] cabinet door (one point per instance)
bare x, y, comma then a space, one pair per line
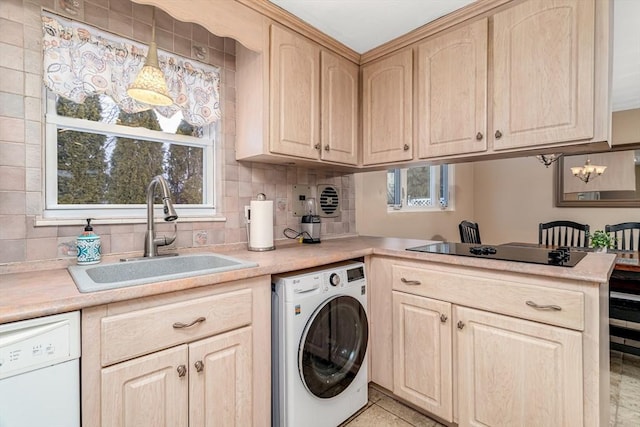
387, 108
514, 372
147, 392
543, 75
220, 378
452, 92
339, 100
422, 353
295, 94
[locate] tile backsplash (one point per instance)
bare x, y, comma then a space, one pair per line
22, 139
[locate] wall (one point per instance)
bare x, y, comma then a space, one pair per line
508, 198
21, 139
510, 210
373, 219
513, 196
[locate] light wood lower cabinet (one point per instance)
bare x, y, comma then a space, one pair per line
147, 391
205, 360
422, 353
220, 384
514, 372
477, 347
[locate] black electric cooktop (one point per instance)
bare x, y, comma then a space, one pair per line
561, 256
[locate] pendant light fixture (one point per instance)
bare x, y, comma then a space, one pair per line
587, 172
548, 159
150, 86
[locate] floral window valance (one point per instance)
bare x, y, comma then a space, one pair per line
80, 61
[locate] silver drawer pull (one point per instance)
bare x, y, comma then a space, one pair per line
410, 282
180, 325
544, 307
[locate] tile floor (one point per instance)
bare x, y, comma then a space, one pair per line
383, 411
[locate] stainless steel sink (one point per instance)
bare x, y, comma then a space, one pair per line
90, 278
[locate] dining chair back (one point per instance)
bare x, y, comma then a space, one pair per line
563, 233
469, 232
626, 234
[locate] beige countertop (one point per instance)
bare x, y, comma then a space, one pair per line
33, 290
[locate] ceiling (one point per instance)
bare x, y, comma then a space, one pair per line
365, 24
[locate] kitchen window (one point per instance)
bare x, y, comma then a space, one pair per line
102, 149
420, 188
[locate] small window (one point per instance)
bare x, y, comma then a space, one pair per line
420, 188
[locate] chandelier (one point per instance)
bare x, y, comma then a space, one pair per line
548, 159
588, 172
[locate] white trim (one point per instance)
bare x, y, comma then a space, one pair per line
54, 212
434, 181
47, 222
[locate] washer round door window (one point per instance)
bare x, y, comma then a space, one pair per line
333, 346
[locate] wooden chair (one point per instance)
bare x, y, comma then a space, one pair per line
625, 235
469, 232
563, 233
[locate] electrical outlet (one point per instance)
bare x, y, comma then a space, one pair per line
300, 194
246, 212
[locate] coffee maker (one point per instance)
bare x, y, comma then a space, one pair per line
310, 223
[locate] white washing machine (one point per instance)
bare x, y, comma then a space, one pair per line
320, 334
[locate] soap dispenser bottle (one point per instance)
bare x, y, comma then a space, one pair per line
88, 244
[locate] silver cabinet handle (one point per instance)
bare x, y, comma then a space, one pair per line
327, 148
498, 134
199, 365
460, 324
443, 318
410, 282
317, 147
180, 325
182, 371
479, 136
543, 307
405, 147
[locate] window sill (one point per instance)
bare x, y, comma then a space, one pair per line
50, 222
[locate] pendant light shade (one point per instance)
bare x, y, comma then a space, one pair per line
150, 86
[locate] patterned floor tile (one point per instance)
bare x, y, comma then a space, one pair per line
375, 416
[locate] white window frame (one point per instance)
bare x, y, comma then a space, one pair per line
53, 210
444, 193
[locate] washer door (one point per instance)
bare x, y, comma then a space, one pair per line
333, 346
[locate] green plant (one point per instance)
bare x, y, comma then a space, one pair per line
600, 239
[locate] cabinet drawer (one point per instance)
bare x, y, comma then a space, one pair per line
139, 332
499, 296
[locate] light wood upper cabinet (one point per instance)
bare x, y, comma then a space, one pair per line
543, 77
513, 372
422, 353
339, 100
308, 113
295, 94
387, 109
452, 92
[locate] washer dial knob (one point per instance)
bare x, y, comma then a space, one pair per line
334, 279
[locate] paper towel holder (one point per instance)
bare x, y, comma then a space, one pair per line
266, 245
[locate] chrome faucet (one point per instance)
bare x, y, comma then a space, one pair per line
151, 242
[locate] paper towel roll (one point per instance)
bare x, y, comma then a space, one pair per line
261, 225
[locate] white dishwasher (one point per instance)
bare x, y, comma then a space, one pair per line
40, 372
